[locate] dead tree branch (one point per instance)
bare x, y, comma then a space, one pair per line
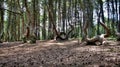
1, 8
99, 38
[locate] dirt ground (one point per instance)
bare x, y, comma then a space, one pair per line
59, 54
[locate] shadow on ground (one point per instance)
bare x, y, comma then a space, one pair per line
52, 53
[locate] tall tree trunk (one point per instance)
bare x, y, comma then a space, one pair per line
31, 24
51, 20
63, 15
31, 18
101, 10
1, 20
44, 24
113, 23
108, 11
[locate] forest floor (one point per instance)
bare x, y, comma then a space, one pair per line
52, 53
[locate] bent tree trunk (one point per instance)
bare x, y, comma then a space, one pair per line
31, 25
58, 35
98, 38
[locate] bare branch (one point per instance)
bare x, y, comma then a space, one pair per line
10, 11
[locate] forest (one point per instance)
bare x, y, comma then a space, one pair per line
59, 33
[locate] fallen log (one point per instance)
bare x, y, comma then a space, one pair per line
99, 39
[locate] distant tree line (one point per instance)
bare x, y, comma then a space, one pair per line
47, 19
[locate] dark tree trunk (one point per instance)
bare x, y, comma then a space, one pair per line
101, 10
1, 20
44, 25
108, 11
113, 20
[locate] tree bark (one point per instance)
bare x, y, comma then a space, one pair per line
99, 38
1, 20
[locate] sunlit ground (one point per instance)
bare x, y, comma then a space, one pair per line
55, 54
